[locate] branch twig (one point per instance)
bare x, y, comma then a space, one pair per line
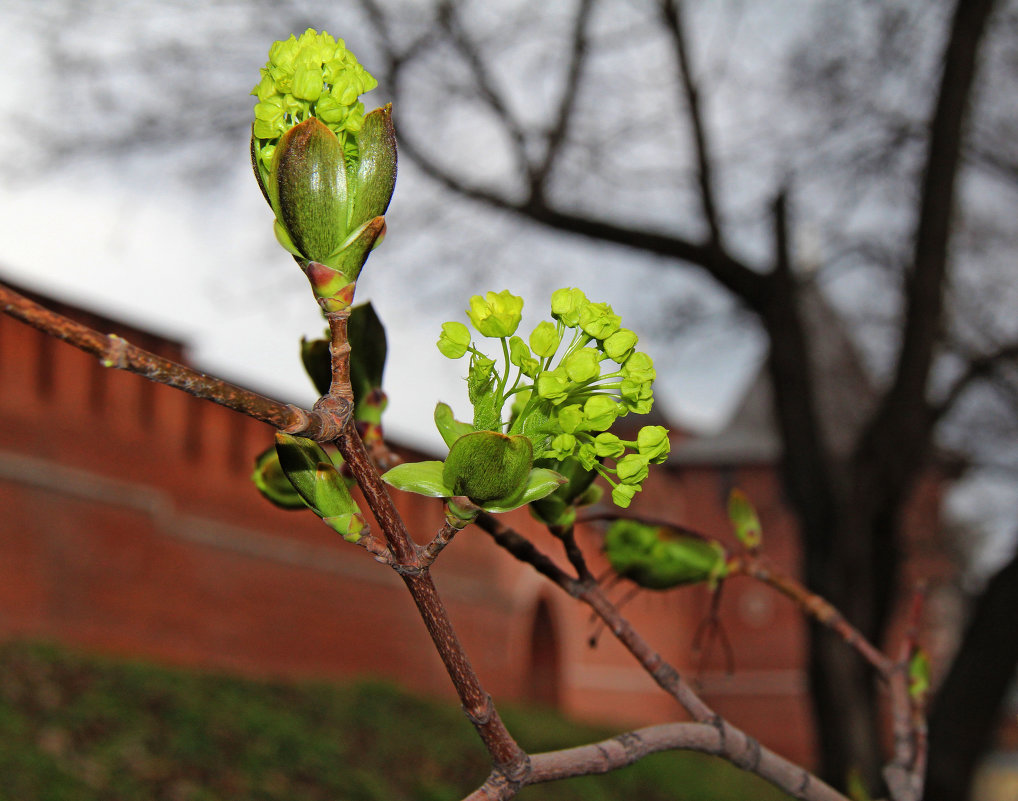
672, 15
815, 607
737, 747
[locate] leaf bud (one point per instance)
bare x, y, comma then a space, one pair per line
488, 466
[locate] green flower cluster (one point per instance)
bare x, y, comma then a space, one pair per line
313, 76
566, 384
326, 169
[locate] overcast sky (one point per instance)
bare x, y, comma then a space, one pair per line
132, 238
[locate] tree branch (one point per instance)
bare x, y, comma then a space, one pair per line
559, 129
816, 607
737, 746
485, 83
967, 704
625, 749
894, 428
977, 368
743, 281
508, 757
116, 352
671, 13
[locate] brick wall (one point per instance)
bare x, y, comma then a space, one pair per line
128, 524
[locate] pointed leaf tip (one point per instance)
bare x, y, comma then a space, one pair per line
744, 519
422, 478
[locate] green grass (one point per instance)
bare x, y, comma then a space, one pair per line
75, 727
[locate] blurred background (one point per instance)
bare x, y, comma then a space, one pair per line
819, 193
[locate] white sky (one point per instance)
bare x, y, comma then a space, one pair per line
165, 261
132, 240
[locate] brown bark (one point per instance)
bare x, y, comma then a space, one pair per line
965, 711
859, 574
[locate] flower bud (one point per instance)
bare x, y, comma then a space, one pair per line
609, 445
545, 340
553, 385
598, 320
496, 314
454, 340
488, 466
632, 469
653, 443
600, 412
620, 345
520, 355
566, 304
326, 170
583, 365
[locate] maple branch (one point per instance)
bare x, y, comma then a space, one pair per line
625, 749
116, 352
736, 746
816, 607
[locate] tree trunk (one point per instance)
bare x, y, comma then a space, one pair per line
854, 559
966, 709
845, 714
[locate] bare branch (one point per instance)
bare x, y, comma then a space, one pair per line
567, 102
524, 550
489, 93
116, 352
906, 772
671, 13
978, 368
736, 746
925, 283
507, 756
817, 608
450, 528
744, 282
625, 749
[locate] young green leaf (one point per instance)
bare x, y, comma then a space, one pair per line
314, 353
745, 520
299, 458
488, 466
448, 426
659, 558
422, 478
540, 483
368, 347
919, 674
272, 482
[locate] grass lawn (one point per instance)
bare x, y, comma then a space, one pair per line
75, 727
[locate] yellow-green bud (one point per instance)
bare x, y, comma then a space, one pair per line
496, 314
488, 466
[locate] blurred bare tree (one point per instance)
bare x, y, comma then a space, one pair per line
597, 119
721, 138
